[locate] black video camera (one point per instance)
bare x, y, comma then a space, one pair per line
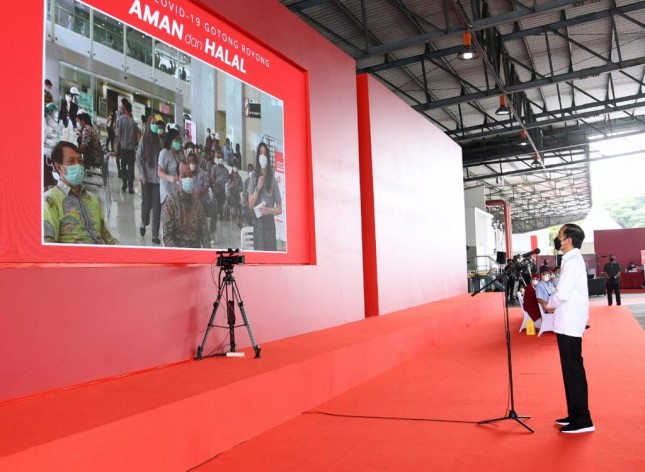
229, 258
517, 266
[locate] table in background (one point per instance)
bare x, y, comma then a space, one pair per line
632, 279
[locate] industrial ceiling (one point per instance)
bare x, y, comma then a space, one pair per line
569, 71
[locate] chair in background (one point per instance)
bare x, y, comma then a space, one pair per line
526, 318
246, 238
547, 321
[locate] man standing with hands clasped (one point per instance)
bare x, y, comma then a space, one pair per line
612, 273
570, 306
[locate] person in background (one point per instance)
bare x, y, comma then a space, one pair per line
233, 196
161, 129
510, 282
184, 220
201, 189
263, 190
72, 214
168, 163
208, 143
227, 151
545, 266
631, 267
216, 146
111, 123
545, 289
147, 156
530, 299
68, 108
88, 141
49, 98
556, 277
237, 157
612, 273
127, 131
219, 178
570, 306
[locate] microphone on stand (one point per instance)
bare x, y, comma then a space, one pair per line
529, 254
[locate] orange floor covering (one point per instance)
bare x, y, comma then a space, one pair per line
419, 416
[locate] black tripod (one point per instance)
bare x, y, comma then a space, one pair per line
512, 414
228, 289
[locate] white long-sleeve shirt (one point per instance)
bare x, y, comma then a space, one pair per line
571, 301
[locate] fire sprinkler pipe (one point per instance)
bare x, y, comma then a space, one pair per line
508, 230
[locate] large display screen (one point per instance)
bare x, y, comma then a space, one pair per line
167, 134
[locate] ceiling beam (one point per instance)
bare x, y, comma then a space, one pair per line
523, 86
520, 34
477, 25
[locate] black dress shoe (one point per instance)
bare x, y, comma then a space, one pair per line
156, 240
142, 229
582, 427
130, 191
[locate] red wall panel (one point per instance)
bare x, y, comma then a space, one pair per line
625, 243
418, 202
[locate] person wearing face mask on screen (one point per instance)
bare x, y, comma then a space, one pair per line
72, 214
168, 164
265, 200
219, 177
201, 187
183, 216
146, 157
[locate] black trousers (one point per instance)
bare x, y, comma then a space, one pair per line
613, 287
575, 378
127, 168
151, 202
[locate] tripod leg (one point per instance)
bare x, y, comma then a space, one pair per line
230, 316
240, 303
200, 348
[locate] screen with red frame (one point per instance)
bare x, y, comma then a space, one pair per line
181, 64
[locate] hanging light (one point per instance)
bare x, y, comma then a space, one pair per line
536, 160
467, 52
523, 141
503, 109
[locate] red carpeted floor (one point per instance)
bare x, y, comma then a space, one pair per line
419, 416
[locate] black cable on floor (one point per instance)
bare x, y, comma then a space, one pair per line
371, 417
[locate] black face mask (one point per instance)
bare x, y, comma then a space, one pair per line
612, 259
557, 243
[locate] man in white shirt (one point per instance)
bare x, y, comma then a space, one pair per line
570, 306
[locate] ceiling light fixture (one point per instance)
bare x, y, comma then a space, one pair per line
503, 109
467, 52
523, 141
536, 160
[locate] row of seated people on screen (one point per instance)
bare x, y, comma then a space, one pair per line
538, 291
72, 214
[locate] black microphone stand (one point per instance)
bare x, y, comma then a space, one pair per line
512, 414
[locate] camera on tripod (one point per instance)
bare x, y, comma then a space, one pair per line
229, 258
517, 266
